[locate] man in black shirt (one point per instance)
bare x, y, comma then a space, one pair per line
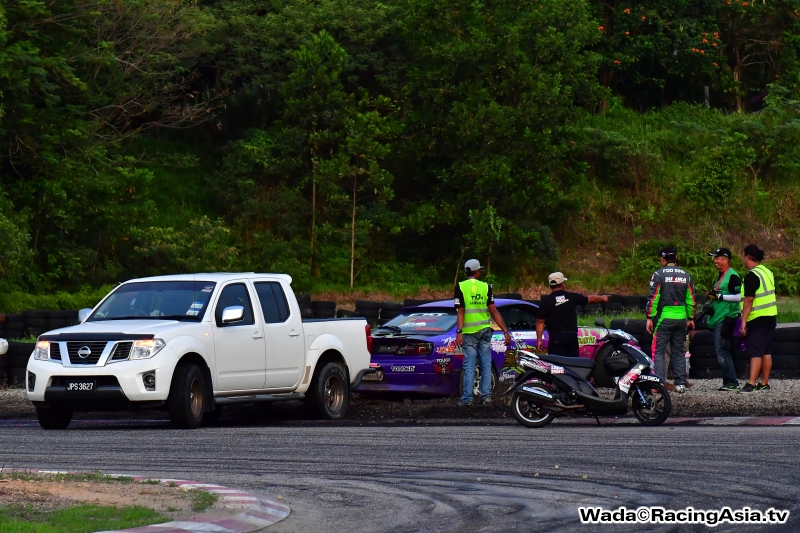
557, 314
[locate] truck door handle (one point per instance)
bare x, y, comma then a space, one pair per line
258, 335
294, 333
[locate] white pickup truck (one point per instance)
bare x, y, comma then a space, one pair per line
192, 344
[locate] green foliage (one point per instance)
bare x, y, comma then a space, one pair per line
79, 519
351, 143
16, 302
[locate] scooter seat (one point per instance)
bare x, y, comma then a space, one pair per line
573, 362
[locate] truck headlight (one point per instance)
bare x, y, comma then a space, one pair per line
146, 349
42, 351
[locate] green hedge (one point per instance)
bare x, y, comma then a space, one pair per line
16, 302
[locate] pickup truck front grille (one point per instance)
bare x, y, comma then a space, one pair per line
121, 351
77, 352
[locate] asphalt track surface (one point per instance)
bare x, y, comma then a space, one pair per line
447, 478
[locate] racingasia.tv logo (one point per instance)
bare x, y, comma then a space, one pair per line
689, 515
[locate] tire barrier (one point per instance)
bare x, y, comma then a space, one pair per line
14, 363
638, 330
32, 323
785, 356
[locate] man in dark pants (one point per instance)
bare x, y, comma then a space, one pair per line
671, 303
722, 317
557, 315
759, 308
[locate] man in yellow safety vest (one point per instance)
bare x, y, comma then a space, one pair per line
759, 308
474, 304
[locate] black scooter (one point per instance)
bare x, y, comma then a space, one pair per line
552, 385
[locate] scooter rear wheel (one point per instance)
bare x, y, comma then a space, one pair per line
528, 413
658, 404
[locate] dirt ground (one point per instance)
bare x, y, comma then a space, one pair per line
45, 493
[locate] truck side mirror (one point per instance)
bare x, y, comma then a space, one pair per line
600, 322
83, 314
231, 314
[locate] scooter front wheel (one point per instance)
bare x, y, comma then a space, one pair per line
657, 404
529, 413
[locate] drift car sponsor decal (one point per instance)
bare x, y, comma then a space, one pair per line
403, 368
442, 365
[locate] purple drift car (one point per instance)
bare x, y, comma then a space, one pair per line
416, 351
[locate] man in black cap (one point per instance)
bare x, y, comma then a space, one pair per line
722, 316
671, 303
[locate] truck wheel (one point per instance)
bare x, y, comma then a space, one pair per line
330, 392
53, 418
186, 395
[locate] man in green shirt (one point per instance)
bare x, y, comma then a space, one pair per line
723, 315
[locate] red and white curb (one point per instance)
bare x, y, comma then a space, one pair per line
254, 512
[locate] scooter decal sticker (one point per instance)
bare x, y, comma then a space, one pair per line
555, 369
626, 382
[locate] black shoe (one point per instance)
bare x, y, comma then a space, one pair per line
760, 387
730, 387
747, 388
486, 400
464, 404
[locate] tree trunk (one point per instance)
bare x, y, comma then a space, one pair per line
353, 233
313, 196
458, 264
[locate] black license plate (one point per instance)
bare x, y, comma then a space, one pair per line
81, 385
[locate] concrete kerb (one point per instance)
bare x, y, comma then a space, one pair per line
249, 512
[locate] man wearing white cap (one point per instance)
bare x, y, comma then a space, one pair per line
474, 304
557, 314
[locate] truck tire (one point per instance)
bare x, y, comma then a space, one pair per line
186, 397
53, 418
329, 395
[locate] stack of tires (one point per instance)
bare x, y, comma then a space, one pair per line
413, 302
18, 355
304, 301
509, 295
14, 326
703, 363
35, 322
369, 310
614, 305
637, 329
323, 309
785, 355
390, 310
4, 367
634, 303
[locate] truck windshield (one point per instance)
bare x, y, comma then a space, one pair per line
157, 300
427, 322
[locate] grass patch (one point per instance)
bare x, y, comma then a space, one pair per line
87, 477
78, 519
202, 500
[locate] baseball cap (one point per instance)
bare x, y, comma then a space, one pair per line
720, 252
472, 265
668, 253
556, 278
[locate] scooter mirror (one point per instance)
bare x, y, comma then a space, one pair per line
600, 322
